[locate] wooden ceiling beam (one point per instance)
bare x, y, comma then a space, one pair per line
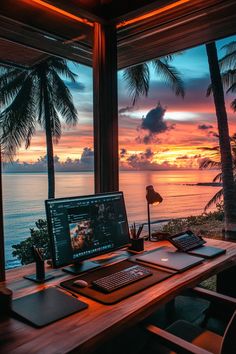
76, 10
166, 36
45, 42
191, 24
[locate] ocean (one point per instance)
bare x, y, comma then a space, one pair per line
24, 195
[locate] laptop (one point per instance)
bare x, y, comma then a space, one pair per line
167, 257
187, 241
207, 251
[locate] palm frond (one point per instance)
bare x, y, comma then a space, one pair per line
229, 60
10, 84
55, 124
170, 57
208, 163
137, 78
170, 75
233, 105
18, 119
218, 178
62, 99
229, 47
209, 90
215, 199
39, 96
61, 67
228, 79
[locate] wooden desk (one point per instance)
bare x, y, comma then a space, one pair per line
85, 330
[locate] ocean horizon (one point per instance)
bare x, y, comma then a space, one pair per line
184, 193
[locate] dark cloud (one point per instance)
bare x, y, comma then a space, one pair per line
207, 148
123, 152
139, 161
205, 126
86, 163
87, 158
154, 121
147, 139
143, 161
188, 157
148, 153
183, 157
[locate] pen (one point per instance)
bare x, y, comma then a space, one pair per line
134, 230
139, 230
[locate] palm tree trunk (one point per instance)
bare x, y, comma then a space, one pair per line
49, 143
229, 191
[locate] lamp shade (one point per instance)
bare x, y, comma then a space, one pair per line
152, 196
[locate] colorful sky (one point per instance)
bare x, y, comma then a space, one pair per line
187, 126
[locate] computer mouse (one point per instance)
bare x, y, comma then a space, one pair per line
80, 283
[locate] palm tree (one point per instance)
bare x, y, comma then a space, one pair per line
215, 163
229, 190
138, 77
35, 97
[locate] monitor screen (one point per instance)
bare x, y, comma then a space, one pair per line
84, 227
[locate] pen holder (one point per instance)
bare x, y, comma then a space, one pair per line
137, 244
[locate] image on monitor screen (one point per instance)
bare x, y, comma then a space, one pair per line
87, 226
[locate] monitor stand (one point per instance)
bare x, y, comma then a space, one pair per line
81, 267
113, 258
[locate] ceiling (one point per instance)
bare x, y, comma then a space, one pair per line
29, 30
110, 9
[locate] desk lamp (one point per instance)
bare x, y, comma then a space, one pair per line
153, 198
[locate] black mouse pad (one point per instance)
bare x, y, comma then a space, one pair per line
119, 294
46, 306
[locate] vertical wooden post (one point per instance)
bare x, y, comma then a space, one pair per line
105, 109
2, 253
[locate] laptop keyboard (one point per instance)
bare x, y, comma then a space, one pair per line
122, 278
190, 242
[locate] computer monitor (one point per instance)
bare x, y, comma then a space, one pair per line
85, 227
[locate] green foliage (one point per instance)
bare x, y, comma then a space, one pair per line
199, 224
39, 238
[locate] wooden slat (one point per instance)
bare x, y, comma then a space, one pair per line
84, 331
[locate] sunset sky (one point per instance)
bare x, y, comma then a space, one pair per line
187, 126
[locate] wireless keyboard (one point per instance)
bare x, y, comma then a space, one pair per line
119, 279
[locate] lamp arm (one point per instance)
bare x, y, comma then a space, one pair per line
149, 224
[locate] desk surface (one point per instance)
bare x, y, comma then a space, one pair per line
85, 330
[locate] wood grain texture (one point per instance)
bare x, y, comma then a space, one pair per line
84, 331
